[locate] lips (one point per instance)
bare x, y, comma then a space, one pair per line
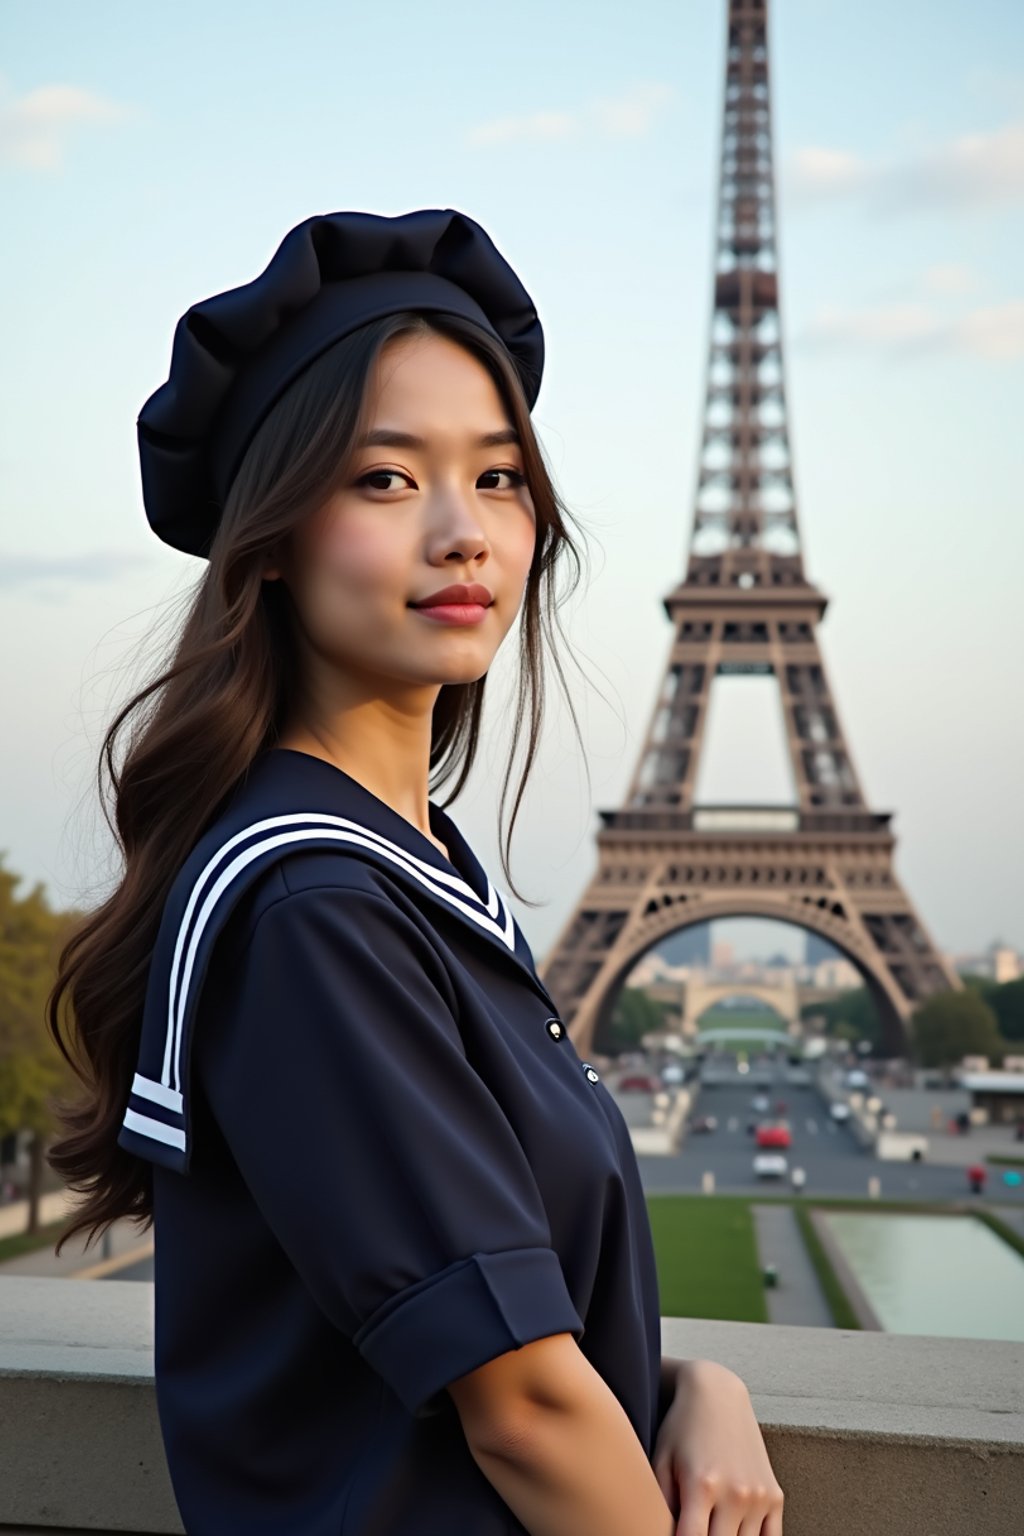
460, 593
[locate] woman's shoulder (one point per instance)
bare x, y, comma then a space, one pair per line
301, 881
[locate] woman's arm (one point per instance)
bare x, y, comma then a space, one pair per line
550, 1435
709, 1455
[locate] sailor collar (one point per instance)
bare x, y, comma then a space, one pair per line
288, 800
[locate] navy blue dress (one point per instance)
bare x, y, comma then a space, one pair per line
378, 1163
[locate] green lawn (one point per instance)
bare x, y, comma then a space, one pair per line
743, 1018
707, 1257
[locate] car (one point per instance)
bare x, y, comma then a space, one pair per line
771, 1165
839, 1110
639, 1082
774, 1135
704, 1123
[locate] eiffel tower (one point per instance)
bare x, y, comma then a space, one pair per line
744, 606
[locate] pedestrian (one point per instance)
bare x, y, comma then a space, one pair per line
404, 1274
977, 1173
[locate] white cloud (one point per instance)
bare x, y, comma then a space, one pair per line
971, 171
874, 324
21, 571
533, 127
995, 332
36, 126
819, 173
950, 277
629, 115
974, 170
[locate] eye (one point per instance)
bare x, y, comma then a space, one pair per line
514, 474
381, 474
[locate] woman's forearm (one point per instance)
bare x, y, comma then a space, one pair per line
578, 1469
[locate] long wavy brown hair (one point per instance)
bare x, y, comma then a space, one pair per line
194, 730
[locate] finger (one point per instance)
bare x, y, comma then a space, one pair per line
696, 1503
772, 1525
740, 1514
666, 1478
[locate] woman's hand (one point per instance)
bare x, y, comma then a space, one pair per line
710, 1459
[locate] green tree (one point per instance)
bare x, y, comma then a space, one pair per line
854, 1011
1007, 1003
633, 1016
32, 1070
949, 1025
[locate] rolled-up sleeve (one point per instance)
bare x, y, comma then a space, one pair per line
335, 1068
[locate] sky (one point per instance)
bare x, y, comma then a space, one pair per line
152, 156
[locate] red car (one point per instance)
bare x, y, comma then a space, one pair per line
777, 1135
639, 1082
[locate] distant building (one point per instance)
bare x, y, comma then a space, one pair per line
837, 974
653, 969
999, 963
1006, 964
723, 955
1000, 1093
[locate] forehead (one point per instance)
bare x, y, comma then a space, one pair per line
434, 378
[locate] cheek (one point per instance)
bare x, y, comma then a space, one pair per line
521, 545
361, 557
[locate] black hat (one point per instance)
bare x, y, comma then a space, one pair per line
235, 353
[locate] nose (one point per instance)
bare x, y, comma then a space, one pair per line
456, 530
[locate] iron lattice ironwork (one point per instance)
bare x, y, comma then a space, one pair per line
744, 606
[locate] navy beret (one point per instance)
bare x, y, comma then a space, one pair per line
234, 354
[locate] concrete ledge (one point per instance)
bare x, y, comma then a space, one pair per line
80, 1446
869, 1433
873, 1433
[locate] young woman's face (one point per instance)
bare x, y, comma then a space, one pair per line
427, 505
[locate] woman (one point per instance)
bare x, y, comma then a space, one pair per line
404, 1278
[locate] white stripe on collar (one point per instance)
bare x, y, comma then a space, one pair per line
314, 824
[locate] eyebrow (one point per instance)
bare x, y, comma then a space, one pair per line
387, 437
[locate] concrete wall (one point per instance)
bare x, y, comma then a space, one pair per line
869, 1433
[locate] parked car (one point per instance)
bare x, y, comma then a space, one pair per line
770, 1165
776, 1134
639, 1082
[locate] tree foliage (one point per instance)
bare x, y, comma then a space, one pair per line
633, 1016
950, 1025
32, 1070
850, 1016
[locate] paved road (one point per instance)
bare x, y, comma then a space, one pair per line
796, 1296
834, 1162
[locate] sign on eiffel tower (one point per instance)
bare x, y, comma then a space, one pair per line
744, 606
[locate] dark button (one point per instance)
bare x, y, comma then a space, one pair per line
592, 1076
555, 1028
